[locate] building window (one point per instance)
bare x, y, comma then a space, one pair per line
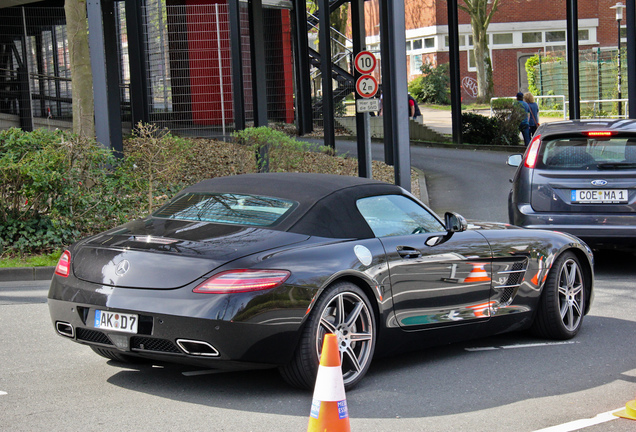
584, 35
429, 42
554, 36
408, 45
502, 39
417, 44
532, 37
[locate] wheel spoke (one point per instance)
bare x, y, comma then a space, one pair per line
353, 316
577, 307
573, 271
340, 310
351, 355
328, 325
360, 337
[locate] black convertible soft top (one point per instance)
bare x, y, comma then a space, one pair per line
326, 203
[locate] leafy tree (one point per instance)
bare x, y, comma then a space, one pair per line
481, 13
432, 86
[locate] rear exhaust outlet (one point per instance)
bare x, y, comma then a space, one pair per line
197, 348
65, 329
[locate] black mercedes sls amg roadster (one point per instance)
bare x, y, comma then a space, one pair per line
252, 271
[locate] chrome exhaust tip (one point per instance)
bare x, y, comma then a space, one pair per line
197, 348
65, 329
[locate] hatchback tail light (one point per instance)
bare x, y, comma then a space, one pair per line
63, 267
533, 152
239, 281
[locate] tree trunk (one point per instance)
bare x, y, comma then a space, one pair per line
81, 74
482, 63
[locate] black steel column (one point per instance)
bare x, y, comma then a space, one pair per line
304, 116
573, 58
362, 119
395, 99
324, 36
238, 89
257, 48
105, 66
139, 103
630, 20
455, 85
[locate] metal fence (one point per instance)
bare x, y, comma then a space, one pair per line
187, 62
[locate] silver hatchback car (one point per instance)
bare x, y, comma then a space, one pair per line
579, 177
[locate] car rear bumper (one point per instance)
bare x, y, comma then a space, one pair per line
595, 229
178, 326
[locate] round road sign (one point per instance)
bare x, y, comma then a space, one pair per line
367, 86
365, 62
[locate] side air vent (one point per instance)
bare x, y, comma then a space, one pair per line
513, 274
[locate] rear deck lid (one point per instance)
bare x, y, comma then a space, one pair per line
164, 254
595, 173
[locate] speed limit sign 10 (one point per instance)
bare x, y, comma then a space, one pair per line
365, 62
367, 86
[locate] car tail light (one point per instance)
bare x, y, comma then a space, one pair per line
63, 267
239, 281
599, 134
533, 152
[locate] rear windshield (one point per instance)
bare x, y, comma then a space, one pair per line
588, 153
233, 209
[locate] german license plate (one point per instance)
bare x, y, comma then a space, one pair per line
599, 196
118, 321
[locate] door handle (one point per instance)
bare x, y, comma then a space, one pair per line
408, 252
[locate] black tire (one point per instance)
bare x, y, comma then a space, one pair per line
343, 309
562, 304
116, 355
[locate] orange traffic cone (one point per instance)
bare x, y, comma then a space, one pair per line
629, 412
329, 411
478, 274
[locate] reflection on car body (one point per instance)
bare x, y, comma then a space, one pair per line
252, 271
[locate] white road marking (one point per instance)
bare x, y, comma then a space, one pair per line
2, 393
532, 345
580, 424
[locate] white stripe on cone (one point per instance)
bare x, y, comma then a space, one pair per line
329, 384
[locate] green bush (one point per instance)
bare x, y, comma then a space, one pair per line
500, 129
274, 150
55, 187
509, 115
479, 129
433, 86
157, 159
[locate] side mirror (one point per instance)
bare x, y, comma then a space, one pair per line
514, 160
455, 222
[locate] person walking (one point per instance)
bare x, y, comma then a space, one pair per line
533, 120
524, 126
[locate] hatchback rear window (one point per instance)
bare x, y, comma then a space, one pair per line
227, 208
588, 153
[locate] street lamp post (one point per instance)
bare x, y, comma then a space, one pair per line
619, 16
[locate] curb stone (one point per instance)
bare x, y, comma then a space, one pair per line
12, 274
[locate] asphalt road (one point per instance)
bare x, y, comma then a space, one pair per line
507, 383
473, 183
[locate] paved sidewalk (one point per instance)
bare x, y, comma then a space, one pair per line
440, 120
